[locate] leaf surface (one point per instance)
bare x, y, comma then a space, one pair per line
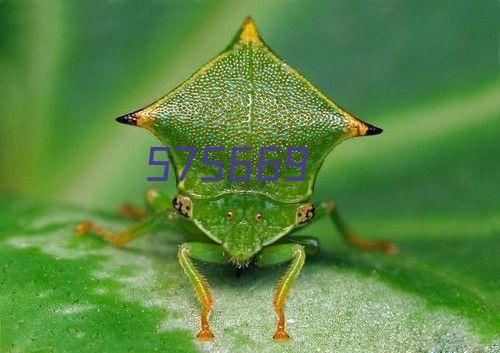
60, 292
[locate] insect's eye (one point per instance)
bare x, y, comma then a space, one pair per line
229, 215
183, 205
258, 217
305, 213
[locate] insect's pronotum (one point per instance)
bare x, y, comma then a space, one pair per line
246, 96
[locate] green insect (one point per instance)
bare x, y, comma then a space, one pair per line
246, 96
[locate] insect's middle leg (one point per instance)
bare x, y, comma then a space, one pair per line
330, 209
206, 252
278, 254
159, 205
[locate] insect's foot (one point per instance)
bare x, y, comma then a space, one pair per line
281, 335
205, 335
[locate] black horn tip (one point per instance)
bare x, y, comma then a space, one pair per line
373, 130
129, 119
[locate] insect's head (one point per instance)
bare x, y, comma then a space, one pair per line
243, 223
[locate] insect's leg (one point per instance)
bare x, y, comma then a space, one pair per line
208, 253
125, 236
310, 244
130, 211
274, 255
330, 209
156, 200
159, 209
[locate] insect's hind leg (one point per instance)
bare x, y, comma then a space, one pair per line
157, 203
330, 209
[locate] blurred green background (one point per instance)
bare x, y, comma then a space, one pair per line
425, 71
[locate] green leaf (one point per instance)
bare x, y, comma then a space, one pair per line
60, 292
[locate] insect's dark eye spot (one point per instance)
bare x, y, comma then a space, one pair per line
305, 213
258, 217
182, 205
229, 215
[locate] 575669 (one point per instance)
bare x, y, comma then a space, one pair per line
236, 161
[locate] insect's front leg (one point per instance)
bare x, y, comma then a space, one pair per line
159, 207
206, 252
330, 209
278, 254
